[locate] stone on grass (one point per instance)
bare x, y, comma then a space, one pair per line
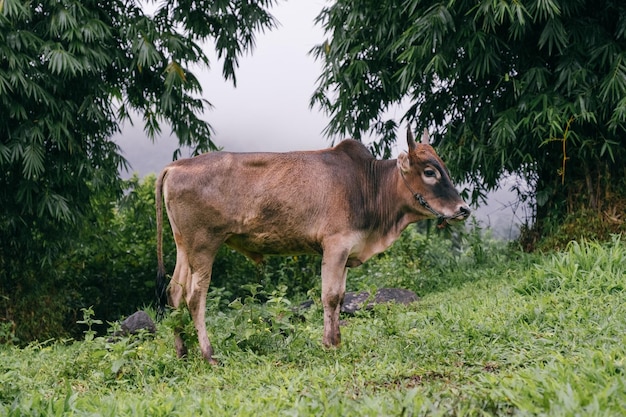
355, 301
135, 323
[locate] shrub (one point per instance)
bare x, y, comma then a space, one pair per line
425, 259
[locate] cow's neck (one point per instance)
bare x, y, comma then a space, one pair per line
391, 201
382, 210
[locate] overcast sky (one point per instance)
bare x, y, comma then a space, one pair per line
269, 109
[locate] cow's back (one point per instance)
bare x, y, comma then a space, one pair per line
266, 202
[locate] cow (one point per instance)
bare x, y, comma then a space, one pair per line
340, 203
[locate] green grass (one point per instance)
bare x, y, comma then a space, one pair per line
496, 332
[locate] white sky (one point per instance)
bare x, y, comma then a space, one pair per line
269, 108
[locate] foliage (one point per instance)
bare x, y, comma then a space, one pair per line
606, 263
234, 272
512, 335
533, 88
584, 224
70, 73
262, 329
422, 258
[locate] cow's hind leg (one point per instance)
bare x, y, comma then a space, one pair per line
201, 265
176, 290
333, 290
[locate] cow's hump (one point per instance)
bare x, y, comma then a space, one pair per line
355, 149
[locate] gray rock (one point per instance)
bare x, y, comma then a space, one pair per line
136, 322
395, 295
355, 301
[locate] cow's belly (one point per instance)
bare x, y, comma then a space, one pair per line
254, 245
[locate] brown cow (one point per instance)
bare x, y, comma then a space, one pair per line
339, 202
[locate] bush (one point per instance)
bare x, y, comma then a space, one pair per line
587, 224
426, 259
113, 263
570, 270
233, 272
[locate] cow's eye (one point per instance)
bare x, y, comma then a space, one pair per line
430, 173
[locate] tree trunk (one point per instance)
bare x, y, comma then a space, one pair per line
589, 203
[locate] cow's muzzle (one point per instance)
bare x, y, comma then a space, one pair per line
442, 219
461, 215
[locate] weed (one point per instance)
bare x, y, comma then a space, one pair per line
89, 321
7, 333
262, 328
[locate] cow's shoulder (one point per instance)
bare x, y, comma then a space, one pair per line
354, 149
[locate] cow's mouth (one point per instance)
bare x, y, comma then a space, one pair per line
443, 221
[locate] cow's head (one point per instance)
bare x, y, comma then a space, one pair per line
426, 178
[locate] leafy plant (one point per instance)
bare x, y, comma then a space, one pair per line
89, 321
7, 333
262, 328
604, 262
535, 89
426, 259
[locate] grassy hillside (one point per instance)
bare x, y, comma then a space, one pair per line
496, 332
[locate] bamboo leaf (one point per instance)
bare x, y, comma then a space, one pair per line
553, 36
62, 62
33, 156
613, 86
174, 72
62, 21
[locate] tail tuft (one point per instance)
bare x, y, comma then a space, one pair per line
161, 294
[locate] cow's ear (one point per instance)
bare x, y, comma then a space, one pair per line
425, 137
404, 163
409, 139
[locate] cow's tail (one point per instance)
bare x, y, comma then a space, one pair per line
161, 279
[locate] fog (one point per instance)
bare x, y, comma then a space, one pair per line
269, 109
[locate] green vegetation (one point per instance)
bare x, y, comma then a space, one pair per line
496, 332
532, 88
71, 73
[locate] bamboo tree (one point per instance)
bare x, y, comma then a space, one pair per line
535, 88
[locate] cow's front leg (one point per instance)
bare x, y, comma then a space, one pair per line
333, 290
